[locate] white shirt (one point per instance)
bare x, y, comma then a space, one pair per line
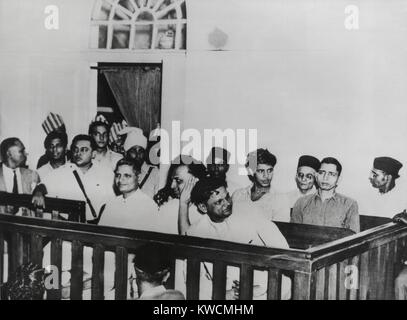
284, 202
8, 174
150, 187
137, 211
245, 228
233, 185
97, 181
45, 170
252, 229
265, 204
373, 203
109, 159
168, 213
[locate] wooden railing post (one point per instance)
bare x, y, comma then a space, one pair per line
246, 282
36, 249
15, 252
302, 286
193, 277
56, 264
274, 284
219, 280
120, 282
77, 271
98, 260
1, 258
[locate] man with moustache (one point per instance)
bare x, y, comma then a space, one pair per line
388, 196
327, 207
305, 181
135, 147
223, 221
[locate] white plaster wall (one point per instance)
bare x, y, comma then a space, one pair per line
289, 69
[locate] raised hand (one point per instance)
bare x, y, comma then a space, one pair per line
185, 196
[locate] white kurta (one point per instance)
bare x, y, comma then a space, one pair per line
138, 212
168, 213
252, 229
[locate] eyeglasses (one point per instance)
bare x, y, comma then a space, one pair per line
308, 176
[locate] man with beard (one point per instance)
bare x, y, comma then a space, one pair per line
55, 145
385, 198
14, 176
326, 207
99, 131
305, 180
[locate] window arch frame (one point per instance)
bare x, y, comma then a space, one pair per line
178, 24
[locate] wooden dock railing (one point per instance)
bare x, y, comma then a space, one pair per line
323, 263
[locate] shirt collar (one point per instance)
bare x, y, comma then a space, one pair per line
133, 195
334, 197
73, 166
5, 168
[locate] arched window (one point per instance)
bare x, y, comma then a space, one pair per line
139, 25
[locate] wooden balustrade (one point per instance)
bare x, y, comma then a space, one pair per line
74, 210
319, 262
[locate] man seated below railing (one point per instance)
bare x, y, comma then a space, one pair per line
222, 222
152, 269
327, 207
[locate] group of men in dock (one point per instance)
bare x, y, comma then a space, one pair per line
121, 189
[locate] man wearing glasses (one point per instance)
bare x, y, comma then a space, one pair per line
305, 180
326, 207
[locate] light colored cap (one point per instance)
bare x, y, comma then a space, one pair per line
135, 137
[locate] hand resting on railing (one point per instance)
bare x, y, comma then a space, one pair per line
401, 217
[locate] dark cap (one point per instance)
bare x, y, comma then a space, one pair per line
152, 258
388, 165
218, 153
309, 161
